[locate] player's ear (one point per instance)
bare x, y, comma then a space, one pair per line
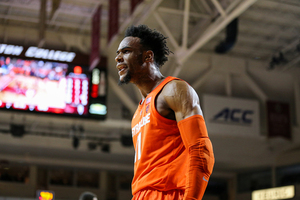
149, 56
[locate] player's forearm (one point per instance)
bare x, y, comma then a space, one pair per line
201, 158
201, 162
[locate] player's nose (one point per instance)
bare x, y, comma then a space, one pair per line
119, 58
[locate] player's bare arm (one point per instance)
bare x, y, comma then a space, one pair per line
183, 101
179, 99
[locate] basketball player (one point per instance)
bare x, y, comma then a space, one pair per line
173, 154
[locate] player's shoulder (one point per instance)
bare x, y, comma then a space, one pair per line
173, 88
175, 85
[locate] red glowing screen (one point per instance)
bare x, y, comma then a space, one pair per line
45, 86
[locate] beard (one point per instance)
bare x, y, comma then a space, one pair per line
128, 75
125, 80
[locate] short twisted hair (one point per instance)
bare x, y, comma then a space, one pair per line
151, 40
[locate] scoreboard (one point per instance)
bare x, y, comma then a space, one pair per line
41, 80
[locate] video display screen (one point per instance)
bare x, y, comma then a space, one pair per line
51, 87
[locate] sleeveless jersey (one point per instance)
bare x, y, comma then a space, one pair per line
160, 156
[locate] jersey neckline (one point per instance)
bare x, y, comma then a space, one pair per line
143, 100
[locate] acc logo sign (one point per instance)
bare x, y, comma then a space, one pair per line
234, 115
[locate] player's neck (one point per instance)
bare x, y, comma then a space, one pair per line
149, 83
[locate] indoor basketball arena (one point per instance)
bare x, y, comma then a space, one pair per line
226, 99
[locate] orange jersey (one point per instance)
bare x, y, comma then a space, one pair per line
160, 155
159, 195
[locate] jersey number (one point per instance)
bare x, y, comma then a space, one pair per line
138, 148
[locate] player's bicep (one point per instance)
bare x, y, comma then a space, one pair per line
182, 99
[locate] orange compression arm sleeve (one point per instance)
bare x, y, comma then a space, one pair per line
201, 157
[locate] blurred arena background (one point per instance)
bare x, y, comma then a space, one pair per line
241, 56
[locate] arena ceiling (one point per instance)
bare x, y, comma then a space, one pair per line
265, 27
265, 30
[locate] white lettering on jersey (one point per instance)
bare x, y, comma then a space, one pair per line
145, 120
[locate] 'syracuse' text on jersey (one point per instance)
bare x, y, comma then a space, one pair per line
160, 161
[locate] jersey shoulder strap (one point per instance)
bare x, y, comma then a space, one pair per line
162, 84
